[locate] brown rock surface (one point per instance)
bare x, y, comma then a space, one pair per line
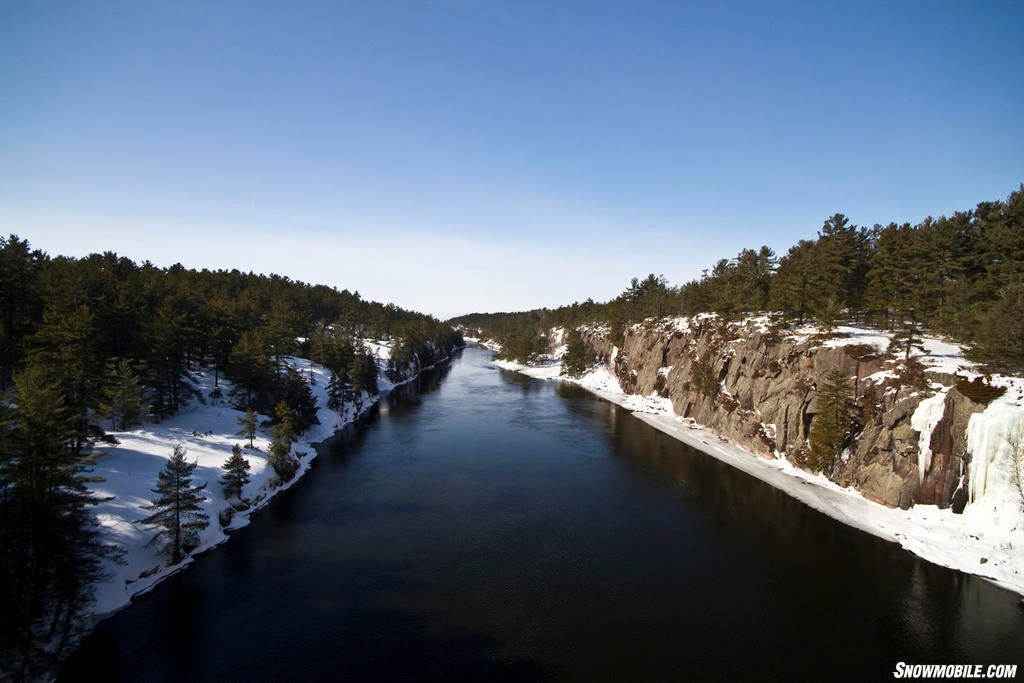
757, 387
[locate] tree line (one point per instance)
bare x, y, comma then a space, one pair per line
961, 276
101, 342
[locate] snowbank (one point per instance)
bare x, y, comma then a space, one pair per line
986, 540
486, 343
208, 432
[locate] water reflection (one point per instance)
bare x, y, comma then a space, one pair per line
483, 525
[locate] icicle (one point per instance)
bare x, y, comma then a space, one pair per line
928, 414
992, 439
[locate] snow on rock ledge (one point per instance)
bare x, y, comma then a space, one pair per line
915, 452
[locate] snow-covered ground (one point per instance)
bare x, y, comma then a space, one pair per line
486, 343
986, 540
208, 431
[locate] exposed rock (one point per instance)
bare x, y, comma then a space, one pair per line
758, 389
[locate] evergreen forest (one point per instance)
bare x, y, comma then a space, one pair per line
100, 343
961, 276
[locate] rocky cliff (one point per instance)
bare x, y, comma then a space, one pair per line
759, 387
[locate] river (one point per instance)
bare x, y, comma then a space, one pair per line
484, 525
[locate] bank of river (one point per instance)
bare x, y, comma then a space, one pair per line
486, 525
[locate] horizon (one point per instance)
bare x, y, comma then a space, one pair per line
456, 158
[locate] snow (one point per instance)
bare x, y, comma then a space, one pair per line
486, 343
987, 540
995, 438
542, 369
208, 431
939, 355
853, 335
943, 356
928, 414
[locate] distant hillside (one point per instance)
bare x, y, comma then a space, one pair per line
961, 276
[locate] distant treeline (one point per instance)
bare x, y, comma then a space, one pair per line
95, 343
962, 276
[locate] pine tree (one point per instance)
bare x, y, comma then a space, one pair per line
793, 284
832, 427
335, 393
362, 370
177, 508
122, 394
236, 473
67, 343
281, 444
578, 358
168, 333
1001, 336
907, 337
281, 328
248, 424
250, 369
50, 548
841, 259
20, 300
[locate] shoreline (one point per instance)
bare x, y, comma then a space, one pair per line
935, 535
143, 570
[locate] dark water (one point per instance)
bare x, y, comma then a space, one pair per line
487, 526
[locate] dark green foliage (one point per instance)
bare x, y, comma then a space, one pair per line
251, 370
1000, 337
282, 435
248, 426
704, 377
122, 394
909, 373
960, 276
578, 358
338, 393
66, 343
841, 266
907, 338
362, 370
792, 288
524, 345
332, 350
50, 550
20, 301
833, 426
107, 342
176, 509
293, 390
80, 316
647, 298
741, 284
236, 473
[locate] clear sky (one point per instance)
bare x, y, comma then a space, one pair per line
478, 156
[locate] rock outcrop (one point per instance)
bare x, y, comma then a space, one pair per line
758, 387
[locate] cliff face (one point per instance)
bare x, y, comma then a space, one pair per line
759, 388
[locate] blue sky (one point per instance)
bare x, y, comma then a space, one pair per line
462, 156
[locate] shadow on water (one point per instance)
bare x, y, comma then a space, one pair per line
936, 614
483, 525
254, 595
372, 639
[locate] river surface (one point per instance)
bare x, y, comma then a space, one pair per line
484, 525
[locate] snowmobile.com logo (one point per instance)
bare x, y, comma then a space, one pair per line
904, 670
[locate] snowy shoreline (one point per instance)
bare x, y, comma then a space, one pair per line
968, 542
208, 431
